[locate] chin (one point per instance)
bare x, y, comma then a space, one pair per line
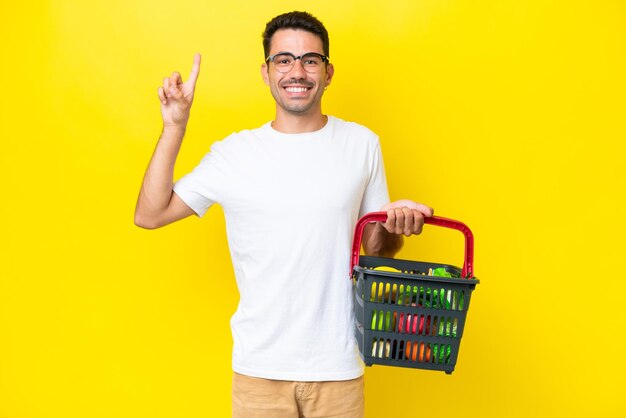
297, 110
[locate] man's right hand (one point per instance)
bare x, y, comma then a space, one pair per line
176, 97
157, 204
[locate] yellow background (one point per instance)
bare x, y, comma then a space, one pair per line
507, 115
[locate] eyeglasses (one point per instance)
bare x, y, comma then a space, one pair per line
284, 61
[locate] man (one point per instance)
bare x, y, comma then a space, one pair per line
292, 191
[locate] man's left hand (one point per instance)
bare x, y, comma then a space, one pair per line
405, 217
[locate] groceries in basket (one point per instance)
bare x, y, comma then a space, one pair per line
436, 272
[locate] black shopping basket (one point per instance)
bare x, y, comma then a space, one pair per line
411, 313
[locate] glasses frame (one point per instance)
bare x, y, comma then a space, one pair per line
269, 59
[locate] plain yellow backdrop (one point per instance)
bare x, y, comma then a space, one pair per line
507, 115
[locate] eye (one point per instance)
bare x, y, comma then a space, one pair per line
283, 59
311, 60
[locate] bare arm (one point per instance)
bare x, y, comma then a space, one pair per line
157, 204
404, 217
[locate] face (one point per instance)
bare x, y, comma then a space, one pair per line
297, 92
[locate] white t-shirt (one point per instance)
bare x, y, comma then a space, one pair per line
291, 203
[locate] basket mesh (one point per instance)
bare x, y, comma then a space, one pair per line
408, 319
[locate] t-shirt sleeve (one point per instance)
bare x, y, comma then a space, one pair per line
203, 186
376, 194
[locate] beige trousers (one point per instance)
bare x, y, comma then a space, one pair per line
255, 397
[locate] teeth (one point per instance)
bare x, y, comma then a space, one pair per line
296, 89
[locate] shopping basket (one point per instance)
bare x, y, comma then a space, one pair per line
410, 313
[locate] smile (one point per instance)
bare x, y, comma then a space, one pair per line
295, 89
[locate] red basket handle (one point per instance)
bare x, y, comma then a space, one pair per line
468, 264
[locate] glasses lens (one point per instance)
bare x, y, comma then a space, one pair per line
312, 62
283, 62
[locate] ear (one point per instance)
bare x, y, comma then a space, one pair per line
330, 71
264, 73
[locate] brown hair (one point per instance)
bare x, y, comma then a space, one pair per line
295, 20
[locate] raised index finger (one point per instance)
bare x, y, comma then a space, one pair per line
195, 69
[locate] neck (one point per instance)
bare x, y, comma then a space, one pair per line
298, 123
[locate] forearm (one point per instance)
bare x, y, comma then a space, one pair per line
157, 186
380, 243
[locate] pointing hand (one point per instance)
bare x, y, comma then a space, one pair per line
176, 97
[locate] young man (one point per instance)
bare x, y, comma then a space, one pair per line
292, 191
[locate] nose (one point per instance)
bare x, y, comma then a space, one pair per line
297, 71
